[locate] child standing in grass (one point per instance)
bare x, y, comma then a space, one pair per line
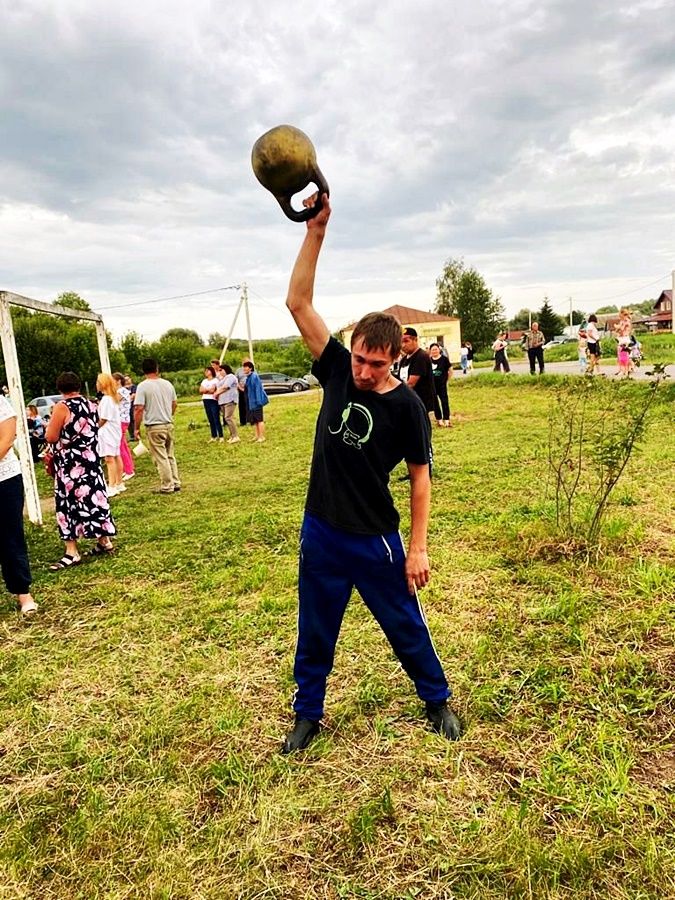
499, 347
635, 353
593, 338
110, 432
623, 360
583, 351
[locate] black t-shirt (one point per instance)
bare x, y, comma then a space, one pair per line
418, 363
441, 368
360, 437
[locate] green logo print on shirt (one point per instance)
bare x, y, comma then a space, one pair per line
357, 423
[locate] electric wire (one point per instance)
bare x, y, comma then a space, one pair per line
229, 287
603, 300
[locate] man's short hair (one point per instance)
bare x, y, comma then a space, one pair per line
379, 331
149, 366
410, 331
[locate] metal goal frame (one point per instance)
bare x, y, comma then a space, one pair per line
7, 300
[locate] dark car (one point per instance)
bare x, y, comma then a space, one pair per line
276, 383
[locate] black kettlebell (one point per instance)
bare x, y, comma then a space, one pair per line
284, 162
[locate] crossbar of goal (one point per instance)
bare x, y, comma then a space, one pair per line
7, 300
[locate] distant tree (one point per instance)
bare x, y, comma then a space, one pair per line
216, 339
644, 307
175, 354
463, 293
298, 358
604, 310
72, 301
579, 317
135, 349
550, 323
182, 334
521, 320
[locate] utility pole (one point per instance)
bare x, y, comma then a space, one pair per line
571, 316
234, 322
248, 321
672, 301
243, 301
529, 317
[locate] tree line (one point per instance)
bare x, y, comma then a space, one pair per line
48, 345
461, 291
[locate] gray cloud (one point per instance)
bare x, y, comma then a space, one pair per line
532, 138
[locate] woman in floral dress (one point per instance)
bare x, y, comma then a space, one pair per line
82, 508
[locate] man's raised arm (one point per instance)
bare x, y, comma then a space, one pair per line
312, 327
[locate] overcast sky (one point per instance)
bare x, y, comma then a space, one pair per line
535, 139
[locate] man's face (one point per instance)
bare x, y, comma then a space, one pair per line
535, 326
409, 344
370, 368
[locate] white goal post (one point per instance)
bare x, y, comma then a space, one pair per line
7, 300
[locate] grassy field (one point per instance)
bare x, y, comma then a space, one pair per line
142, 710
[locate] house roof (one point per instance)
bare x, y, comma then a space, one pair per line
665, 295
409, 316
664, 316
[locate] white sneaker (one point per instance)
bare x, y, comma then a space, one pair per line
128, 476
234, 440
112, 492
121, 488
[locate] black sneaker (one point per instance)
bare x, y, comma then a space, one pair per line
444, 721
302, 734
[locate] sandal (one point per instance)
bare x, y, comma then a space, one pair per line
100, 550
66, 562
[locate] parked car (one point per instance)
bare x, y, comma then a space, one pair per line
560, 339
276, 383
45, 405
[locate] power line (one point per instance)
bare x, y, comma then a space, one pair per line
279, 309
338, 318
651, 284
229, 287
565, 303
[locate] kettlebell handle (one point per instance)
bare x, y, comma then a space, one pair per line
307, 212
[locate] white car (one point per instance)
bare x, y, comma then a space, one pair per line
45, 405
560, 339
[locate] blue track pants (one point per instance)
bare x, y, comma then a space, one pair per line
332, 563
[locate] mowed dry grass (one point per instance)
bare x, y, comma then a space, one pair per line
141, 712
